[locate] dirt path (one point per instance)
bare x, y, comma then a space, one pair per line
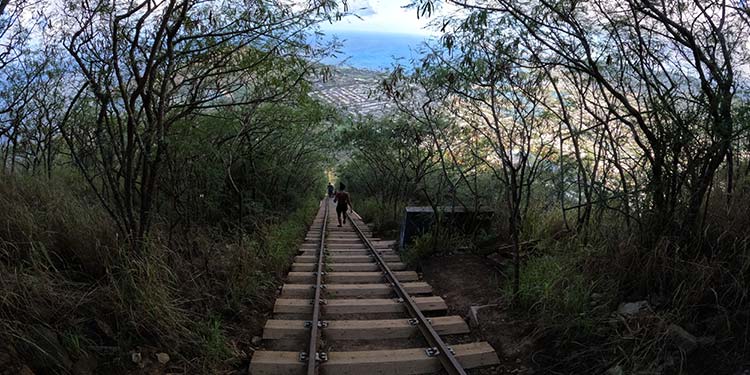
468, 280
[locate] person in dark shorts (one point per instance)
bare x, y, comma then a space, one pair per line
343, 203
330, 190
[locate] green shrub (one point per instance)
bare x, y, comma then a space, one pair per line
215, 344
147, 298
44, 218
551, 285
384, 216
60, 267
435, 241
543, 225
556, 286
283, 239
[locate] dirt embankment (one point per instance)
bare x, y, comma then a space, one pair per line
469, 282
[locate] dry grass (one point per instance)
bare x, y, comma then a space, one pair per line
45, 224
701, 286
68, 291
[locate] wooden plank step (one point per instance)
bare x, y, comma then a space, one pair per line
357, 306
349, 246
347, 267
358, 245
347, 253
311, 252
373, 362
346, 246
334, 230
333, 227
362, 329
329, 238
335, 246
344, 237
354, 290
350, 277
331, 220
330, 254
344, 259
335, 240
342, 250
374, 241
329, 234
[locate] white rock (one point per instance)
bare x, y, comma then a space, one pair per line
474, 313
163, 358
631, 308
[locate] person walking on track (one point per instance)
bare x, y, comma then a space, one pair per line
343, 203
330, 190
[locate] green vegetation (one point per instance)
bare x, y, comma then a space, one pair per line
69, 287
156, 178
161, 161
610, 139
435, 241
383, 217
216, 345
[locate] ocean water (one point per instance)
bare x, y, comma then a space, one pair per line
375, 51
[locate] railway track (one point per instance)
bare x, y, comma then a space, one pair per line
350, 306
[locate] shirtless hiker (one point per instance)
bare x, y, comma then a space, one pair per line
343, 203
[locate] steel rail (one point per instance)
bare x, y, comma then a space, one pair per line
312, 352
444, 353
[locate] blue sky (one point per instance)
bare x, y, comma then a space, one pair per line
381, 16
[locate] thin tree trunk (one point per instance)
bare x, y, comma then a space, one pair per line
239, 218
730, 175
515, 222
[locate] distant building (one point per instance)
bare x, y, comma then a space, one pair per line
354, 91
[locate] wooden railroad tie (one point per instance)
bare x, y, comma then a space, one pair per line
360, 295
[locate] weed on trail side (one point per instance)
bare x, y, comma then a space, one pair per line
216, 346
71, 296
603, 302
433, 242
385, 217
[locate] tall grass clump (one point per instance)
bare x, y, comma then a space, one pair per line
70, 291
55, 248
437, 240
283, 238
257, 267
48, 220
384, 216
148, 300
215, 343
573, 283
551, 285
